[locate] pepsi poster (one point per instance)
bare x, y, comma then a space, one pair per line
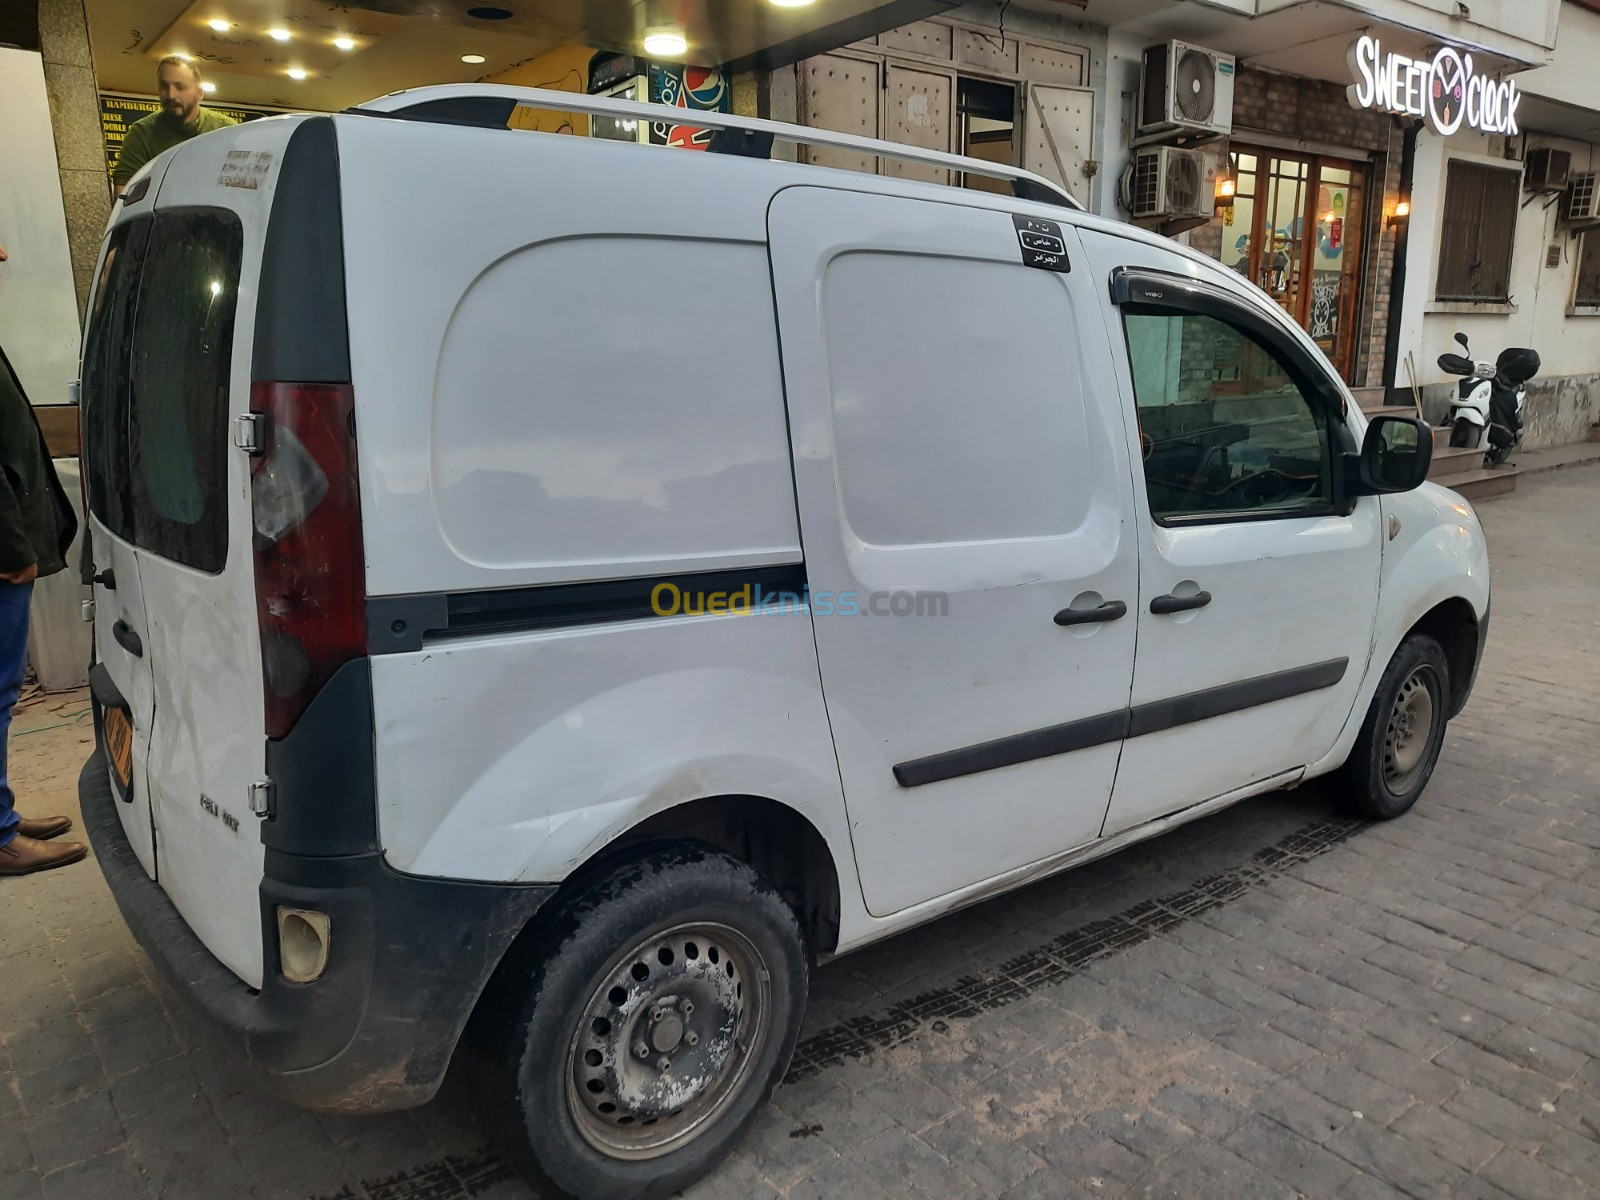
694, 89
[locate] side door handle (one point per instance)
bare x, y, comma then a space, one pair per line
1109, 611
127, 638
1162, 605
106, 579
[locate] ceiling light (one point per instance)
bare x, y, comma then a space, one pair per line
207, 87
790, 3
474, 59
220, 25
296, 73
345, 43
665, 45
278, 35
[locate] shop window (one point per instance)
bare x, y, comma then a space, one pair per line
1588, 293
1480, 222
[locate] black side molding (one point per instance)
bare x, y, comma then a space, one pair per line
1018, 748
1160, 715
398, 624
1124, 723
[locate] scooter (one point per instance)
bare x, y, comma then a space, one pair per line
1487, 410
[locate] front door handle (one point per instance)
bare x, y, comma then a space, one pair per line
1109, 611
127, 638
1162, 605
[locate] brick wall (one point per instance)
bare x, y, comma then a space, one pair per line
1313, 111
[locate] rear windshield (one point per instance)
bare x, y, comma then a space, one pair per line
157, 361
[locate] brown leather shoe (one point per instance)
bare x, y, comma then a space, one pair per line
23, 855
42, 829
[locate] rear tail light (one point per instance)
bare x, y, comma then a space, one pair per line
309, 567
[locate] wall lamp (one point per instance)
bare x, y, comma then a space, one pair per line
1401, 213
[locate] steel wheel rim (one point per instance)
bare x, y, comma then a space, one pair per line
703, 1006
1410, 730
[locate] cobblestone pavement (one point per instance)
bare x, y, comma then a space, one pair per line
1271, 1002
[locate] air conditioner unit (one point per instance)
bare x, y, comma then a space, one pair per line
1547, 170
1168, 183
1185, 89
1580, 203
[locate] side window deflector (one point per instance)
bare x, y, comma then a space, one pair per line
1144, 287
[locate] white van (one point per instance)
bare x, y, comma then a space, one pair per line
551, 593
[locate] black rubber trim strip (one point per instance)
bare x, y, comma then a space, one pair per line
1110, 727
1017, 748
1161, 715
400, 624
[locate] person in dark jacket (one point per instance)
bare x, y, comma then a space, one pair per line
36, 528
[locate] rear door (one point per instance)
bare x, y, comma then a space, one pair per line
186, 489
191, 510
964, 496
122, 679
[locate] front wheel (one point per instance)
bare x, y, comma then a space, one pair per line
626, 1052
1399, 743
1463, 435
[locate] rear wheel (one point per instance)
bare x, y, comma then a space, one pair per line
1463, 434
624, 1054
1399, 743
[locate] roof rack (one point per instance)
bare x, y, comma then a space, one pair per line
490, 106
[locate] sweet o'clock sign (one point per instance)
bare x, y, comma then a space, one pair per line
1447, 90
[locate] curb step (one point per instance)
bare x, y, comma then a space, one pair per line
1480, 484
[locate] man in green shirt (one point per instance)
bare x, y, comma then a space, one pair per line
180, 119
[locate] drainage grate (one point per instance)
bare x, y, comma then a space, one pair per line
1060, 958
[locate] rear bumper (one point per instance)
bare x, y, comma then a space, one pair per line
408, 960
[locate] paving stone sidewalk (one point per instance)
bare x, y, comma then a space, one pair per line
1272, 1002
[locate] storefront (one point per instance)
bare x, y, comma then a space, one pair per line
1298, 229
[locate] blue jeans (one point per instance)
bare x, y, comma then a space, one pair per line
14, 599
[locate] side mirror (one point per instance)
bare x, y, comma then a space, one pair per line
1395, 456
1461, 338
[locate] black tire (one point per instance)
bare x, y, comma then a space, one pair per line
1393, 757
538, 1030
1463, 434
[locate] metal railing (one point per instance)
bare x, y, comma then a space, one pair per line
491, 105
